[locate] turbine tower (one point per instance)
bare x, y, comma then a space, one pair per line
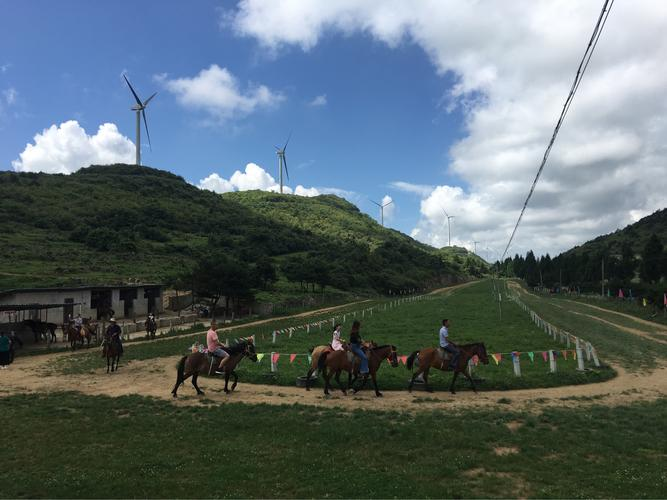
140, 108
282, 162
382, 209
449, 229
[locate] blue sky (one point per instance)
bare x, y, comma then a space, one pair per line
409, 94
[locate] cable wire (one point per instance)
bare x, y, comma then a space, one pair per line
583, 65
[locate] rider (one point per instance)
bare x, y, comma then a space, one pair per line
355, 347
150, 323
114, 333
447, 345
78, 323
336, 342
216, 348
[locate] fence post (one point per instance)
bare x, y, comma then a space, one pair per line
589, 348
580, 356
596, 361
290, 333
344, 318
273, 335
552, 361
308, 328
470, 367
274, 366
567, 338
516, 364
363, 312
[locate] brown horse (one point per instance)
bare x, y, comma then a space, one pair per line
430, 358
73, 335
112, 349
317, 351
338, 361
199, 362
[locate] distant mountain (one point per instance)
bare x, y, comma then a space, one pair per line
464, 261
106, 224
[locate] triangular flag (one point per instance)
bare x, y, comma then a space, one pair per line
310, 359
664, 299
497, 357
292, 357
276, 355
531, 355
564, 354
574, 354
644, 301
544, 356
620, 293
260, 356
404, 359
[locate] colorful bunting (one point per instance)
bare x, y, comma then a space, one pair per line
620, 293
260, 356
292, 357
564, 354
404, 359
497, 357
276, 356
531, 355
475, 360
544, 356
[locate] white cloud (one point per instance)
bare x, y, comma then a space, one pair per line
10, 95
217, 92
253, 177
66, 148
608, 163
389, 207
318, 101
418, 189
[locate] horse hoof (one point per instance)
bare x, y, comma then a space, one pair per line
379, 394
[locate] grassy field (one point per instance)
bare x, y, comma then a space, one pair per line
474, 318
628, 350
67, 445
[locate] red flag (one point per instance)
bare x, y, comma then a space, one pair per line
620, 293
564, 354
404, 359
276, 355
292, 357
544, 356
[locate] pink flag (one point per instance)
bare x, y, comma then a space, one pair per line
404, 359
292, 357
664, 299
276, 355
620, 293
544, 356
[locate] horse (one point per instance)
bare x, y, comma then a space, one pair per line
151, 327
111, 349
338, 361
72, 335
199, 362
316, 352
429, 358
41, 329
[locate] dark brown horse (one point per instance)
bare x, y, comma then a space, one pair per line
199, 362
151, 327
112, 350
338, 361
430, 357
317, 351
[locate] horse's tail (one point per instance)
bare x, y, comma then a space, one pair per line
411, 360
181, 370
322, 360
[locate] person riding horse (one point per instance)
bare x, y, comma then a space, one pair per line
114, 334
337, 344
217, 348
446, 345
355, 347
78, 323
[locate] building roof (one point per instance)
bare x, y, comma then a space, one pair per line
33, 307
79, 288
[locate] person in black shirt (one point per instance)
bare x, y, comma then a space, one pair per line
114, 334
355, 347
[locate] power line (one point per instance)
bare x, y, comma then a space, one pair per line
602, 19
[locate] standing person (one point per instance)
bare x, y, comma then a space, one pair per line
4, 350
336, 342
114, 333
13, 340
216, 348
355, 347
447, 345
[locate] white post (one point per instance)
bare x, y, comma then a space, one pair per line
308, 328
589, 349
517, 366
567, 338
273, 335
596, 361
580, 357
344, 318
552, 362
274, 366
363, 312
470, 367
371, 311
333, 322
290, 333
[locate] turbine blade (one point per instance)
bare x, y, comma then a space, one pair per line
133, 92
143, 113
287, 142
375, 202
149, 99
445, 211
277, 148
285, 163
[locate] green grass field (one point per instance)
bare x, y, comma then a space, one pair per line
67, 445
474, 318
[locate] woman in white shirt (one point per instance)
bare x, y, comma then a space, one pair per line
336, 343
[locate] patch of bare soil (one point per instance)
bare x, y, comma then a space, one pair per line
629, 316
502, 451
627, 329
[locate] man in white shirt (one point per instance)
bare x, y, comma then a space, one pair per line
447, 345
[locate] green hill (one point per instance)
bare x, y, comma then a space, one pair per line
464, 261
108, 224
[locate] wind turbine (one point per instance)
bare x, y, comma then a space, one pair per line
282, 162
140, 108
382, 209
475, 243
449, 229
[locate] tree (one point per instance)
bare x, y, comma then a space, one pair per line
650, 268
627, 265
266, 272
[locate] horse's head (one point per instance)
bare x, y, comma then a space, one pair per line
393, 357
481, 352
249, 349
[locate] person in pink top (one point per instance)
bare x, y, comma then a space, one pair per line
336, 343
216, 348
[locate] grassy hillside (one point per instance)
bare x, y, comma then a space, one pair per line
115, 223
464, 261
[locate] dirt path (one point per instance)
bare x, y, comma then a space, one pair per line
155, 378
628, 316
627, 329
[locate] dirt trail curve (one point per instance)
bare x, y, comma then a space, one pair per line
155, 378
